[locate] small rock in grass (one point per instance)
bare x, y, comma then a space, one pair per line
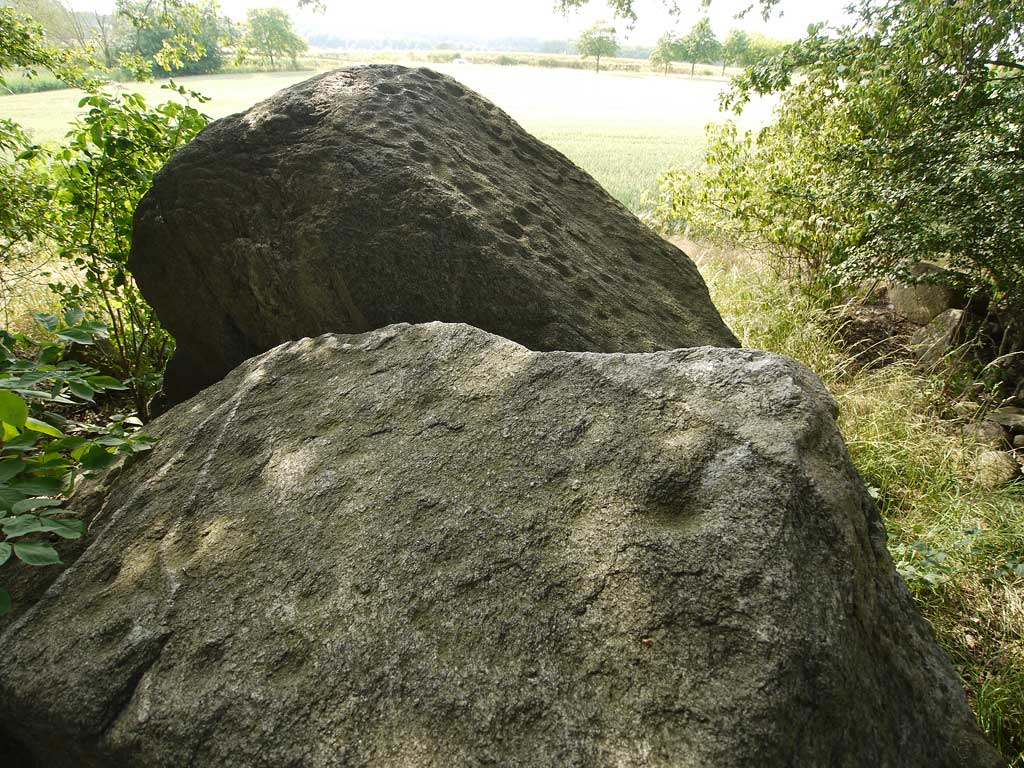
937, 339
995, 468
986, 433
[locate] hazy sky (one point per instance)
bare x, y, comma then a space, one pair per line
528, 18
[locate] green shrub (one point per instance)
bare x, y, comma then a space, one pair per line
97, 180
880, 157
43, 451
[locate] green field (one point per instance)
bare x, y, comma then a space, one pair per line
625, 129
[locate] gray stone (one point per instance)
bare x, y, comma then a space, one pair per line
920, 302
986, 433
1009, 416
1018, 441
430, 546
931, 344
993, 469
381, 194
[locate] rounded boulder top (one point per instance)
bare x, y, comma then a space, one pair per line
379, 194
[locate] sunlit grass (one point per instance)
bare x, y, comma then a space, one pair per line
625, 159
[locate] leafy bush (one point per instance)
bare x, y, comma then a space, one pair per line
897, 140
97, 180
43, 451
78, 200
173, 37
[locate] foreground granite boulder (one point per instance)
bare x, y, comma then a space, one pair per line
375, 195
430, 546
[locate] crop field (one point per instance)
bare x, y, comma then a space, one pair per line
623, 128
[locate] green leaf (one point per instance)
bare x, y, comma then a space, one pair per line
10, 468
64, 527
75, 335
94, 327
49, 354
5, 552
21, 525
105, 382
13, 409
81, 390
74, 316
36, 553
47, 321
23, 442
27, 505
37, 486
41, 426
33, 377
67, 443
96, 458
50, 461
5, 601
9, 497
140, 443
111, 441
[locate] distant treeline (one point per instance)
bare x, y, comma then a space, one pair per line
739, 48
511, 44
142, 38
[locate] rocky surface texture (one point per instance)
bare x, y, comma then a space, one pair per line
380, 194
922, 300
932, 343
430, 546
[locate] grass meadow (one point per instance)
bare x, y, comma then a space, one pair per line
624, 128
627, 128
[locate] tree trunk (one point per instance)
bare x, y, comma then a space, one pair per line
599, 63
693, 66
723, 67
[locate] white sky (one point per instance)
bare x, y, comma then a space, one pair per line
524, 18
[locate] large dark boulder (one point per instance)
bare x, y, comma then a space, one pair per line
430, 546
380, 194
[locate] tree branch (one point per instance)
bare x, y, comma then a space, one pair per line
1004, 63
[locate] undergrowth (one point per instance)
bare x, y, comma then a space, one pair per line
959, 545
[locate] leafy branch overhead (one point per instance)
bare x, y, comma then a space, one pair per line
625, 9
